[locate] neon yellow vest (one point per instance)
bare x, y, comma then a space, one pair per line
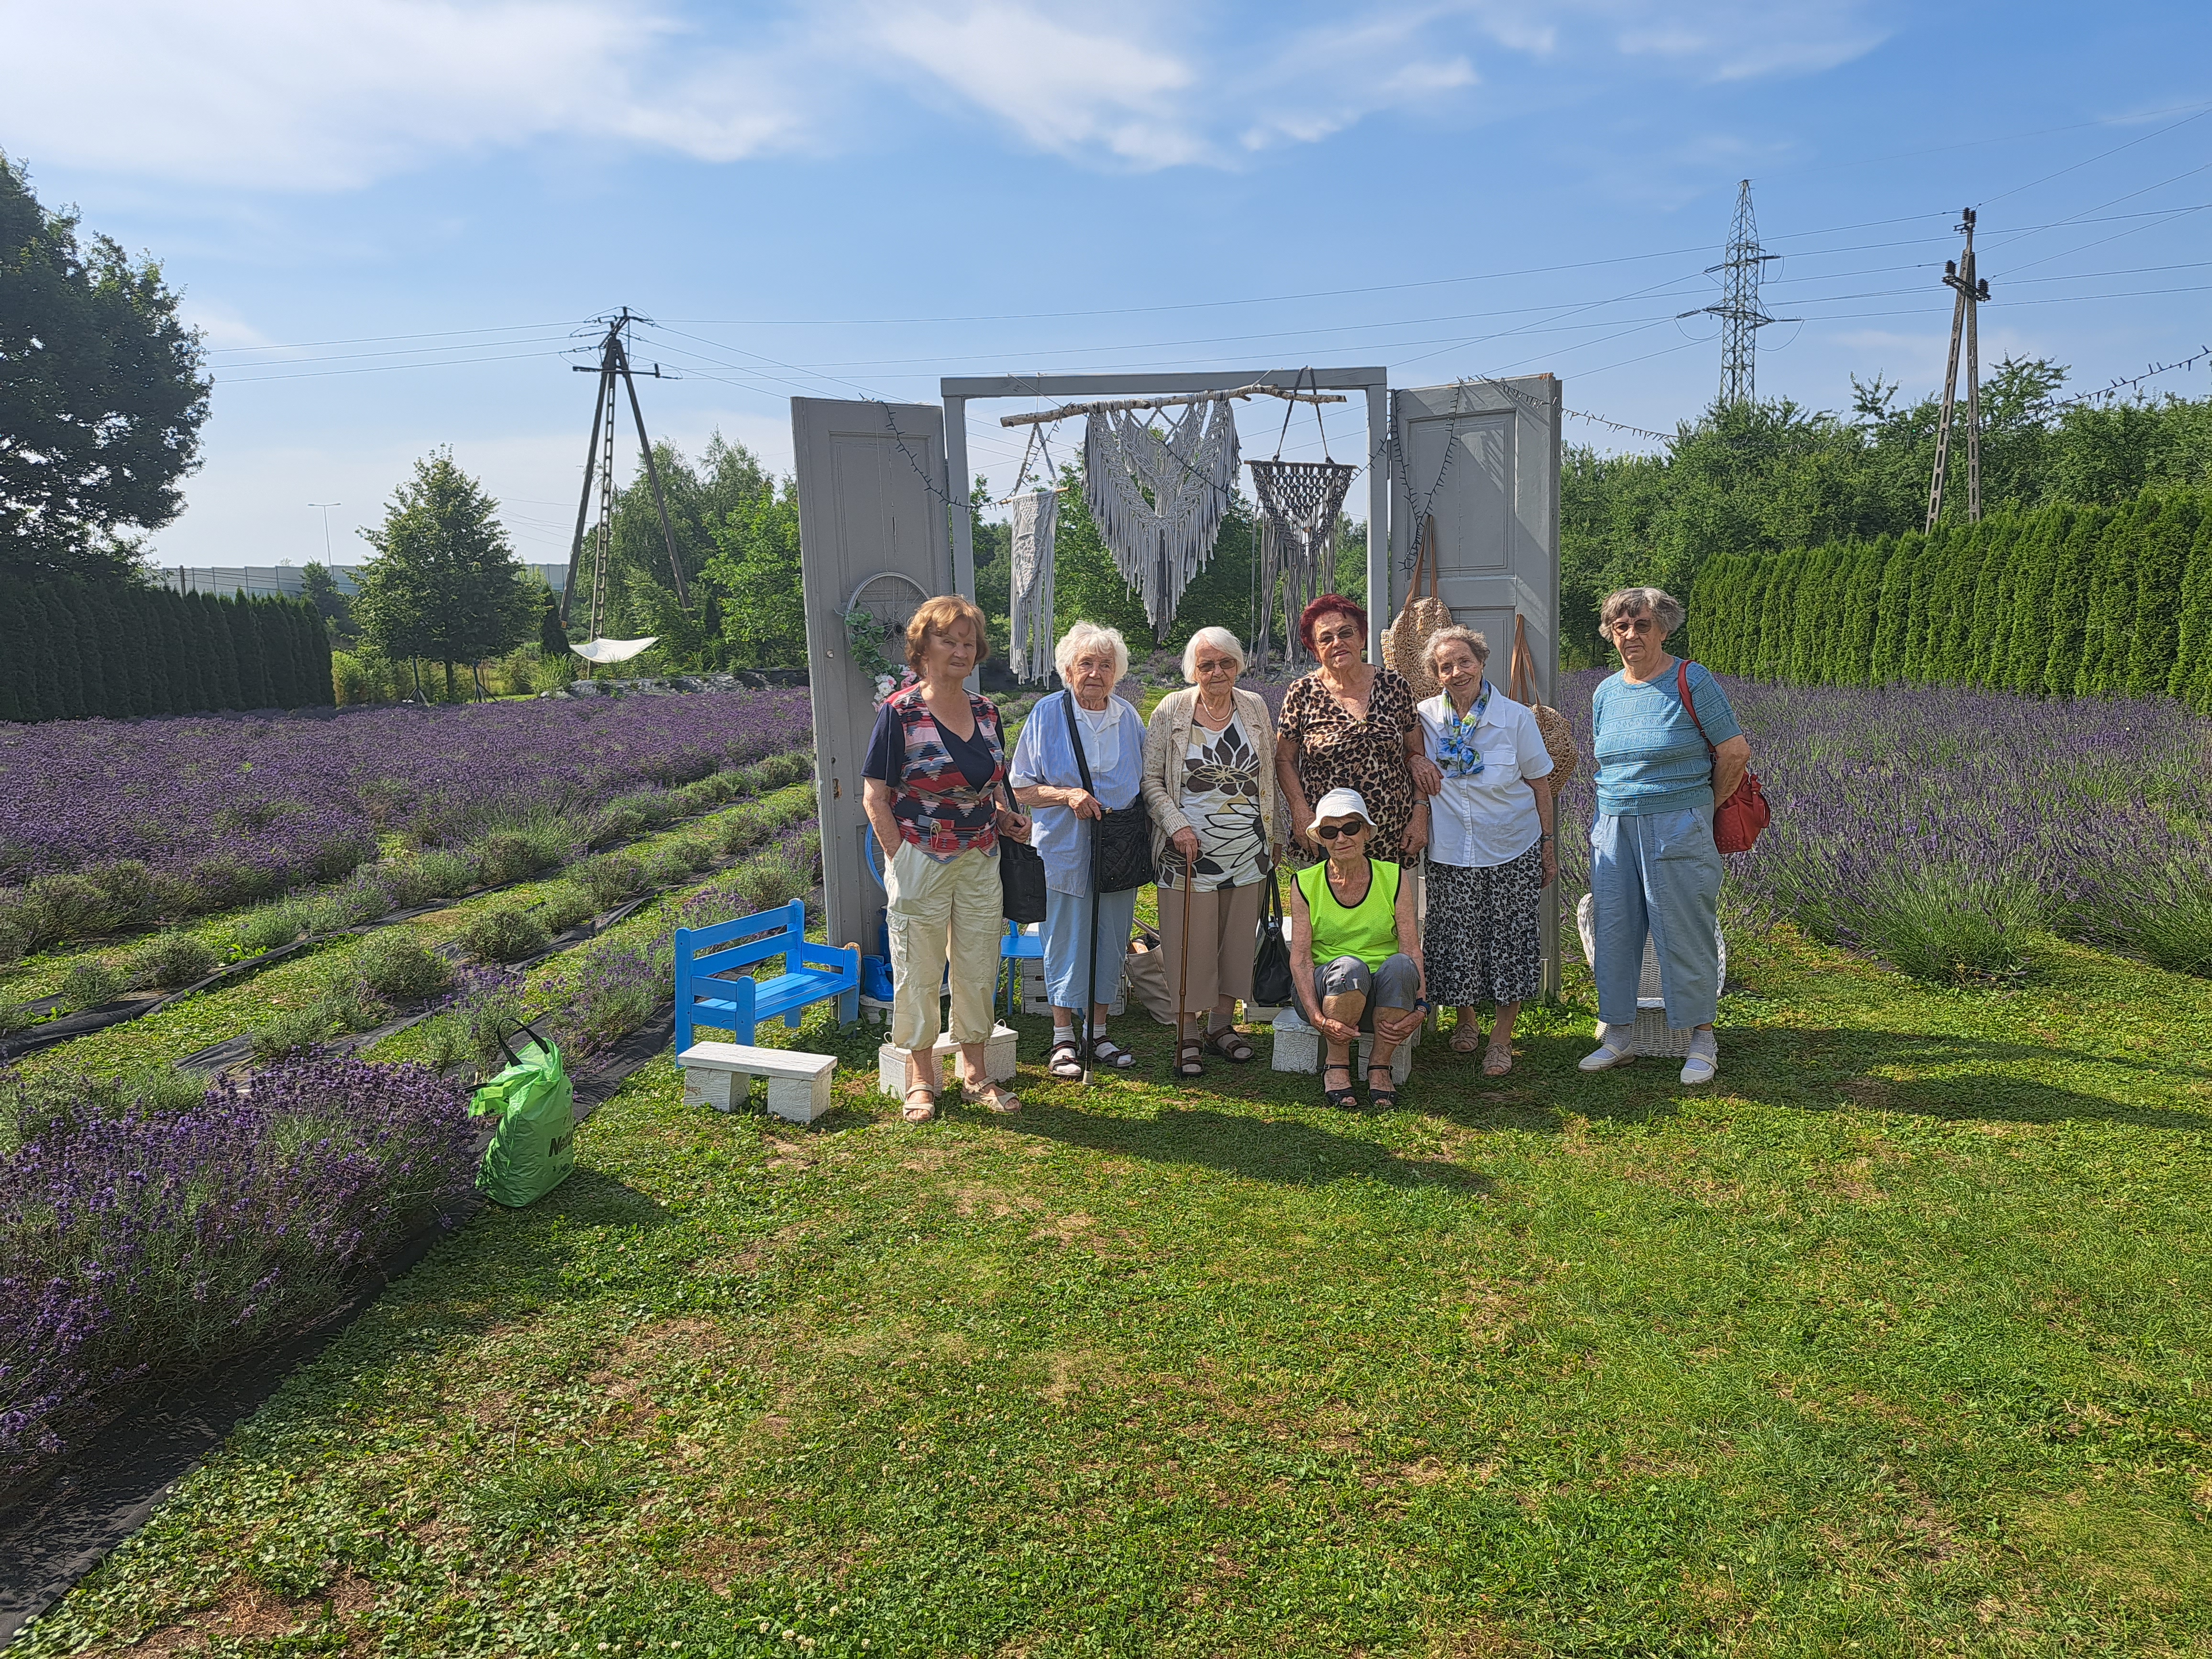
1369, 930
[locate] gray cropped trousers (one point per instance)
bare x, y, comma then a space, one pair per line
1396, 984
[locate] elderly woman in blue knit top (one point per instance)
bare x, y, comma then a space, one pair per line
1655, 871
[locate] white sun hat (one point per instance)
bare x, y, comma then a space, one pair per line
1341, 804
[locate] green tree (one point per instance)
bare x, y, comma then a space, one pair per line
701, 496
320, 589
101, 397
755, 570
445, 587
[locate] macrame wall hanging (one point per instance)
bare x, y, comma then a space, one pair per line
1159, 544
1035, 518
1300, 505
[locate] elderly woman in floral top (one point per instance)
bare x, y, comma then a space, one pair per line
1216, 835
935, 794
1350, 724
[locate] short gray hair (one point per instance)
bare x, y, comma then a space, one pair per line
1466, 636
1221, 640
1089, 636
1635, 601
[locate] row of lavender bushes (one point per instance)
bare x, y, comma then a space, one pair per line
107, 826
1941, 829
154, 1227
527, 836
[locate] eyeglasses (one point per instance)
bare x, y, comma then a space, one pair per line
1331, 831
1641, 625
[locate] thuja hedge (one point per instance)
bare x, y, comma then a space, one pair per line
2063, 601
74, 651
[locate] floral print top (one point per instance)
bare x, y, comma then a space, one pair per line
1222, 777
1336, 751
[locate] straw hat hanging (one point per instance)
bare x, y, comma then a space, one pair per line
1558, 733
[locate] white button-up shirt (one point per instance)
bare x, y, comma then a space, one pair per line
1481, 821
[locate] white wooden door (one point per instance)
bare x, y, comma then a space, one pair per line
1483, 457
871, 526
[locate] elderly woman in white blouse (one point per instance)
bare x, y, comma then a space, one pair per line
1490, 851
1217, 830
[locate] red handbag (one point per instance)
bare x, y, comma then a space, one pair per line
1737, 820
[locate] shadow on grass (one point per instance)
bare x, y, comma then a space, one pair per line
1940, 1075
1258, 1148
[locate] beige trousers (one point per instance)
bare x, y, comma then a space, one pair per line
1225, 929
942, 911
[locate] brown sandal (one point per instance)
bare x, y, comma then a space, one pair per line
1497, 1059
1466, 1039
1229, 1043
1188, 1063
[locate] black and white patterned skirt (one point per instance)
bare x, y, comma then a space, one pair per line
1481, 940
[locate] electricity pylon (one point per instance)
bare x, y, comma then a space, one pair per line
613, 366
1741, 311
1959, 276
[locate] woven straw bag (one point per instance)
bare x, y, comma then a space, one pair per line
1406, 642
1558, 734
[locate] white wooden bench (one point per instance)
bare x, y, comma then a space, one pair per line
720, 1075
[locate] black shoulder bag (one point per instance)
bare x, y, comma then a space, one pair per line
1123, 855
1270, 958
1021, 876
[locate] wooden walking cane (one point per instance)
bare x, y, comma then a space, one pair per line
1182, 968
1091, 989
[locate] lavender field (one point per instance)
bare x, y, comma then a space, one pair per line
177, 817
1938, 829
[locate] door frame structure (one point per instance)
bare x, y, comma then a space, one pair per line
957, 391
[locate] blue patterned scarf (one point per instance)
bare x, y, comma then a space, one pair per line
1459, 755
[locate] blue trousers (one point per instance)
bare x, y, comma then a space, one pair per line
1067, 925
1659, 875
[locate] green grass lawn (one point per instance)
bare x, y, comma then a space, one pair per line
1891, 1341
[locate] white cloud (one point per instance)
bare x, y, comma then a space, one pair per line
272, 94
285, 96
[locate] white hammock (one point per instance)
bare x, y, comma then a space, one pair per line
613, 650
1158, 544
1035, 521
1300, 504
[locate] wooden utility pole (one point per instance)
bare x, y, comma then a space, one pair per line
1959, 276
613, 370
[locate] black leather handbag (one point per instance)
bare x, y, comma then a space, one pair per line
1123, 855
1271, 957
1021, 878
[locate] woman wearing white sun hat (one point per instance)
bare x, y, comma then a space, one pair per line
1355, 949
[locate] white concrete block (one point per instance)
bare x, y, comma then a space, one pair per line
801, 1100
713, 1085
1035, 1002
1298, 1048
998, 1061
875, 1012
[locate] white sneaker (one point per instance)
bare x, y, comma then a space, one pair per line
1616, 1046
1704, 1059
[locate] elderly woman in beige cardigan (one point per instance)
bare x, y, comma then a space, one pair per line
1217, 828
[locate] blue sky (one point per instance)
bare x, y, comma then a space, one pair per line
392, 216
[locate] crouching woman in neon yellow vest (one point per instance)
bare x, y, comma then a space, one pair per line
1355, 952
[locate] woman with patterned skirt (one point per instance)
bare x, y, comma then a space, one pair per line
1490, 850
1217, 836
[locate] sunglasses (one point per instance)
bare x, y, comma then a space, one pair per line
1331, 831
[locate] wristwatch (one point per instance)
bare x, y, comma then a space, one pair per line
1544, 835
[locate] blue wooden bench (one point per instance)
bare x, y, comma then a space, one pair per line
714, 986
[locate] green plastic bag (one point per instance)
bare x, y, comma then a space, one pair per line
534, 1148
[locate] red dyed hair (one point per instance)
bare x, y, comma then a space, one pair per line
1322, 607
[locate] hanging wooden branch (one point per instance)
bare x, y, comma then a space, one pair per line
1068, 411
